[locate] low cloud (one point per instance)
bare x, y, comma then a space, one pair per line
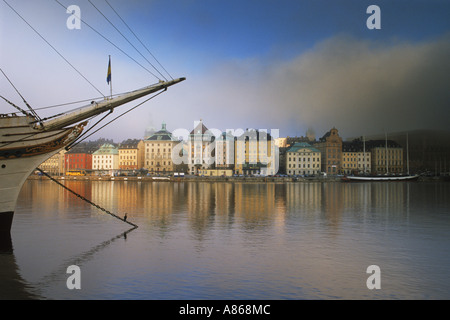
359, 87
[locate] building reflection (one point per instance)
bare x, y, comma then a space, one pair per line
304, 197
251, 204
254, 205
224, 203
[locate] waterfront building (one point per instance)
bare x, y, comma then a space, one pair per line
55, 164
201, 146
386, 156
256, 153
79, 158
217, 172
158, 151
106, 159
364, 162
424, 151
303, 159
356, 159
330, 146
224, 151
131, 154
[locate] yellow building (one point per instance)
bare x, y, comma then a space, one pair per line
158, 151
256, 153
303, 159
224, 151
55, 164
131, 154
356, 162
356, 158
215, 172
349, 162
386, 157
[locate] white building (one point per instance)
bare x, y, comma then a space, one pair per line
106, 158
224, 151
201, 147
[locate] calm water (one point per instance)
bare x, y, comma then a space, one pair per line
231, 241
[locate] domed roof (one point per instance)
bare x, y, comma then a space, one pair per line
161, 135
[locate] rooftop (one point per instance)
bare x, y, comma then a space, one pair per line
302, 145
161, 135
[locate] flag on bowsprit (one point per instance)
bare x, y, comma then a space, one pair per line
108, 77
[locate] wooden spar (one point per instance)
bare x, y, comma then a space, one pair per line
96, 108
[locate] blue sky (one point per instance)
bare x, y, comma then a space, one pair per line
287, 65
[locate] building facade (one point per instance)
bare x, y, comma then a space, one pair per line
303, 159
224, 151
330, 146
158, 151
256, 152
55, 164
106, 159
78, 159
386, 157
201, 148
355, 158
131, 154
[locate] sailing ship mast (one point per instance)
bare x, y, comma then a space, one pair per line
364, 154
407, 154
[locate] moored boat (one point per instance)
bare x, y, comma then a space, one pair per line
26, 142
381, 178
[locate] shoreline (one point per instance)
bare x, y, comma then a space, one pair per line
209, 179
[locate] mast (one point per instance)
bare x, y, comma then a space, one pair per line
386, 149
407, 154
364, 154
109, 77
107, 104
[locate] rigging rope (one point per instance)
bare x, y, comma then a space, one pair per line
93, 29
26, 103
138, 39
17, 107
77, 141
87, 200
127, 39
51, 46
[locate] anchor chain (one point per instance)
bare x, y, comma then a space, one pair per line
87, 200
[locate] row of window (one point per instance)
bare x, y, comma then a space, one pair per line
102, 161
354, 165
394, 163
295, 172
157, 163
160, 145
304, 159
314, 165
159, 150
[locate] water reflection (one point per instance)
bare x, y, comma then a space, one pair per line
290, 237
249, 203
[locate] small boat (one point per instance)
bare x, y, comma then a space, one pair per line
161, 178
381, 178
385, 177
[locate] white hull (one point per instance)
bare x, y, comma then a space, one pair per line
22, 149
381, 178
25, 143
